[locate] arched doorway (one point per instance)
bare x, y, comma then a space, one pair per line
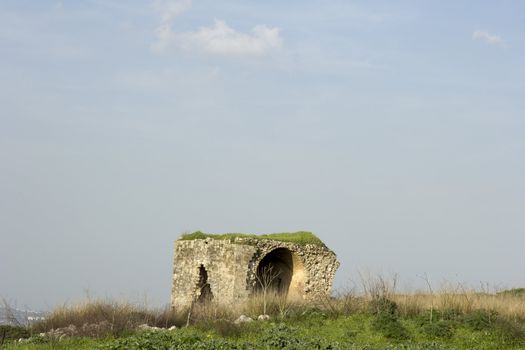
275, 272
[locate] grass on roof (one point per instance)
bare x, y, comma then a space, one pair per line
301, 237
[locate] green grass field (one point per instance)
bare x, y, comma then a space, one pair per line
313, 331
377, 324
378, 319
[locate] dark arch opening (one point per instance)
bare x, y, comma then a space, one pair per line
203, 287
275, 271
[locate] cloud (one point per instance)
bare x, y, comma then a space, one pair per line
488, 38
223, 40
169, 9
219, 39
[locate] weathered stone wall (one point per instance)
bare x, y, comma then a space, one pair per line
231, 267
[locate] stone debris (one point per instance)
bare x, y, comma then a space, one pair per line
146, 327
61, 333
92, 330
95, 329
243, 319
263, 317
89, 330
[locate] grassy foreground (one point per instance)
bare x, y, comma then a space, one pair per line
314, 330
376, 319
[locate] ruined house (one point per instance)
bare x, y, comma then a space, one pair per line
232, 267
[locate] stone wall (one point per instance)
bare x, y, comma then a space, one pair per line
231, 267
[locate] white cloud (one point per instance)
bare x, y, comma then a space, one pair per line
169, 9
224, 40
219, 39
488, 38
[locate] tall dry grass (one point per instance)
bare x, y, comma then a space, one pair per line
456, 299
106, 317
121, 317
509, 306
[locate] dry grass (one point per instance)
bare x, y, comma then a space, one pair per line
121, 317
453, 299
104, 317
508, 306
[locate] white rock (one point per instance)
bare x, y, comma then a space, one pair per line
263, 317
172, 328
145, 327
243, 319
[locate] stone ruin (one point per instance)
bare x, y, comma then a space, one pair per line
230, 268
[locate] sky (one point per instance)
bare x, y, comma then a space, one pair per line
392, 130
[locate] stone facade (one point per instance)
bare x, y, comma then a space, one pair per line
231, 270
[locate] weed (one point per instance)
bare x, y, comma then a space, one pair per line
301, 237
386, 319
480, 320
438, 329
12, 333
223, 328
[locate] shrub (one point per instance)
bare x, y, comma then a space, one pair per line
489, 320
163, 340
281, 336
510, 331
383, 306
390, 327
12, 333
450, 314
386, 319
223, 328
438, 329
480, 320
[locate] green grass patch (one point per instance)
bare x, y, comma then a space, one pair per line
301, 237
315, 330
13, 332
40, 343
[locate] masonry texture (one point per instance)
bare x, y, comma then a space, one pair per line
231, 270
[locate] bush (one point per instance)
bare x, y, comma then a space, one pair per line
510, 331
390, 327
12, 333
281, 336
480, 320
223, 328
386, 319
438, 329
488, 320
179, 340
383, 306
449, 314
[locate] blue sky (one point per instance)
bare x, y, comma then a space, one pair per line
393, 130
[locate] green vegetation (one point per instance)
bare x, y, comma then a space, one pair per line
313, 331
378, 320
301, 237
13, 332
